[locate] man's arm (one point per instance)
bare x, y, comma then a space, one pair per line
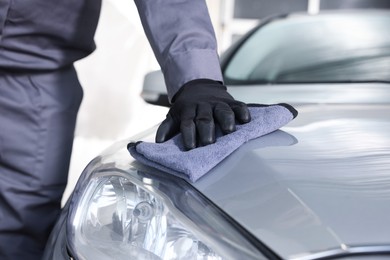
183, 40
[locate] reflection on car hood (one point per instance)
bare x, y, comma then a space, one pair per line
320, 183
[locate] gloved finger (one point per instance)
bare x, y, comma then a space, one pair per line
188, 128
241, 112
167, 129
188, 131
224, 115
205, 124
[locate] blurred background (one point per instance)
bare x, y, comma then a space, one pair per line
112, 76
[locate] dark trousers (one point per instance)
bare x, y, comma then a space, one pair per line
37, 119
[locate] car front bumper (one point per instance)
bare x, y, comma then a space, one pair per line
56, 247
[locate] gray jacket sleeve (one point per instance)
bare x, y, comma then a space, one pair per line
182, 38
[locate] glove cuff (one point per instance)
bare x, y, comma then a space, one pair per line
199, 83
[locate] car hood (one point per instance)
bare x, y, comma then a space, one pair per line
316, 187
320, 183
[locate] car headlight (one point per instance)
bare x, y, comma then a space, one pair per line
127, 214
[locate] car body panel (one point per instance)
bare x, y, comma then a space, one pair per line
313, 93
319, 184
322, 182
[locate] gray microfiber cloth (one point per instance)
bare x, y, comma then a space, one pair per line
171, 156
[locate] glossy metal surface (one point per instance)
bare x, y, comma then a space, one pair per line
317, 188
320, 186
321, 183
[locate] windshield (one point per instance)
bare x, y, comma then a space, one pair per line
325, 48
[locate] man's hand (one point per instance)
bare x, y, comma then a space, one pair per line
197, 107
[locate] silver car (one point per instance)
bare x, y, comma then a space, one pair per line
318, 188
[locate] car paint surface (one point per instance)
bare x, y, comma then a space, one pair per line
318, 186
321, 183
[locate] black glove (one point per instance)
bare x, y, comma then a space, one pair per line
197, 107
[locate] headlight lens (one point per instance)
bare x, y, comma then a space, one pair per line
123, 215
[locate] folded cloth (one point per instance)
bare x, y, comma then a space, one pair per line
173, 158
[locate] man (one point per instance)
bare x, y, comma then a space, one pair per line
40, 97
